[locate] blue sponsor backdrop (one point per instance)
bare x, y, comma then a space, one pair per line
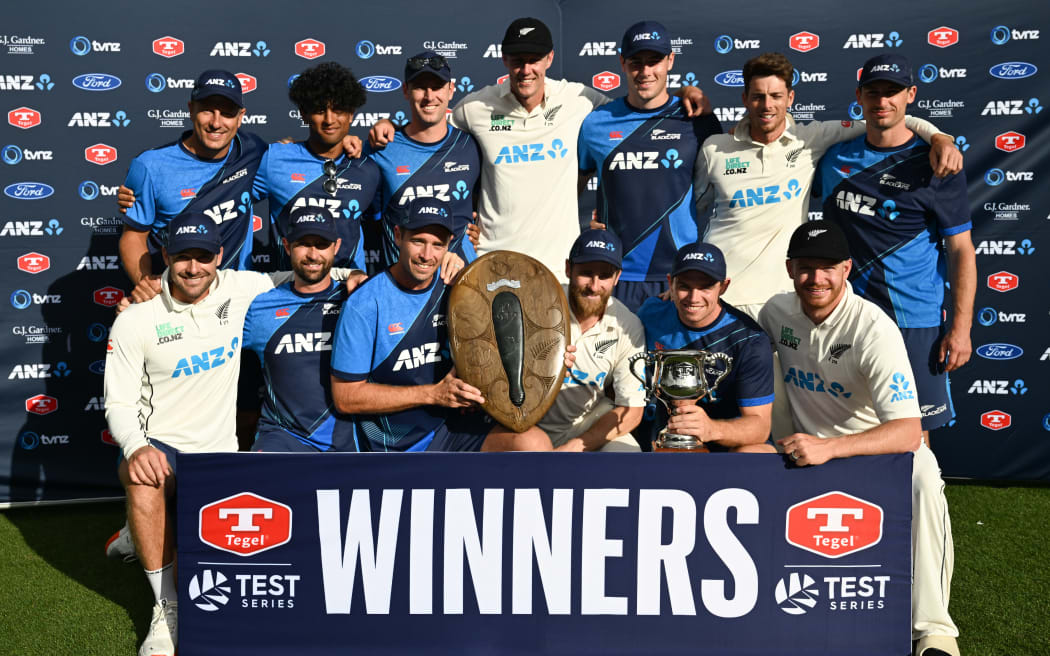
82, 94
543, 554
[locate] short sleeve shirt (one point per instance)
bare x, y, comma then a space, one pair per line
846, 375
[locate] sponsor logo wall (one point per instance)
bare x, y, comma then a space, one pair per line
81, 99
547, 555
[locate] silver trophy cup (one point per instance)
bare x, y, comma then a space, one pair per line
680, 375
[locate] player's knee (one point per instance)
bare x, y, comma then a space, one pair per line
755, 448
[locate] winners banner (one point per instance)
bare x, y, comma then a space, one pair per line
542, 554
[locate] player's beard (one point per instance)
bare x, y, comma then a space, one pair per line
311, 276
584, 307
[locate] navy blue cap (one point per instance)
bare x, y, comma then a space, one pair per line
698, 256
309, 220
427, 211
597, 246
819, 239
527, 36
218, 83
427, 61
892, 68
646, 35
193, 230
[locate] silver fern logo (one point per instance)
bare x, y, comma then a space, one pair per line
209, 590
796, 594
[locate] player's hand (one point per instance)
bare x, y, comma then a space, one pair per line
381, 133
148, 466
451, 266
286, 140
352, 146
695, 102
574, 445
146, 289
804, 449
452, 392
665, 295
474, 231
690, 419
570, 356
945, 158
125, 199
355, 280
123, 304
595, 223
956, 349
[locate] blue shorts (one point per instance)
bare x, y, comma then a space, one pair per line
633, 293
273, 439
461, 432
931, 380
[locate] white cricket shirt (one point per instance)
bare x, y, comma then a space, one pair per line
846, 375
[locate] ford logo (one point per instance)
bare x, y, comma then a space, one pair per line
380, 83
98, 367
28, 190
1013, 70
96, 82
1000, 351
730, 78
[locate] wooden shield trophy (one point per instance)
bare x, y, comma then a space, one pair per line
508, 325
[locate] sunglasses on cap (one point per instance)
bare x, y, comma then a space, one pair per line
434, 63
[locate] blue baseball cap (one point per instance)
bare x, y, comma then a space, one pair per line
892, 68
698, 256
646, 35
427, 61
193, 230
218, 83
309, 220
427, 211
597, 246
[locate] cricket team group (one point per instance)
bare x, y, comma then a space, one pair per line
835, 329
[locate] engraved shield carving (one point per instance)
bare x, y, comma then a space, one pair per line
508, 325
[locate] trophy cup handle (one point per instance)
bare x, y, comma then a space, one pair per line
727, 363
642, 357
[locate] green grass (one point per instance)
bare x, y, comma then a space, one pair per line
60, 595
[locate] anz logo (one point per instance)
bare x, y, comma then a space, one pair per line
224, 211
304, 342
814, 383
417, 356
534, 152
333, 205
765, 195
205, 360
651, 160
855, 203
412, 192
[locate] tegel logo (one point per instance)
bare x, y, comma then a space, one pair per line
309, 48
24, 118
1003, 281
834, 524
96, 82
999, 351
996, 420
41, 404
942, 37
605, 81
168, 47
1009, 142
380, 83
100, 154
804, 41
248, 82
245, 524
